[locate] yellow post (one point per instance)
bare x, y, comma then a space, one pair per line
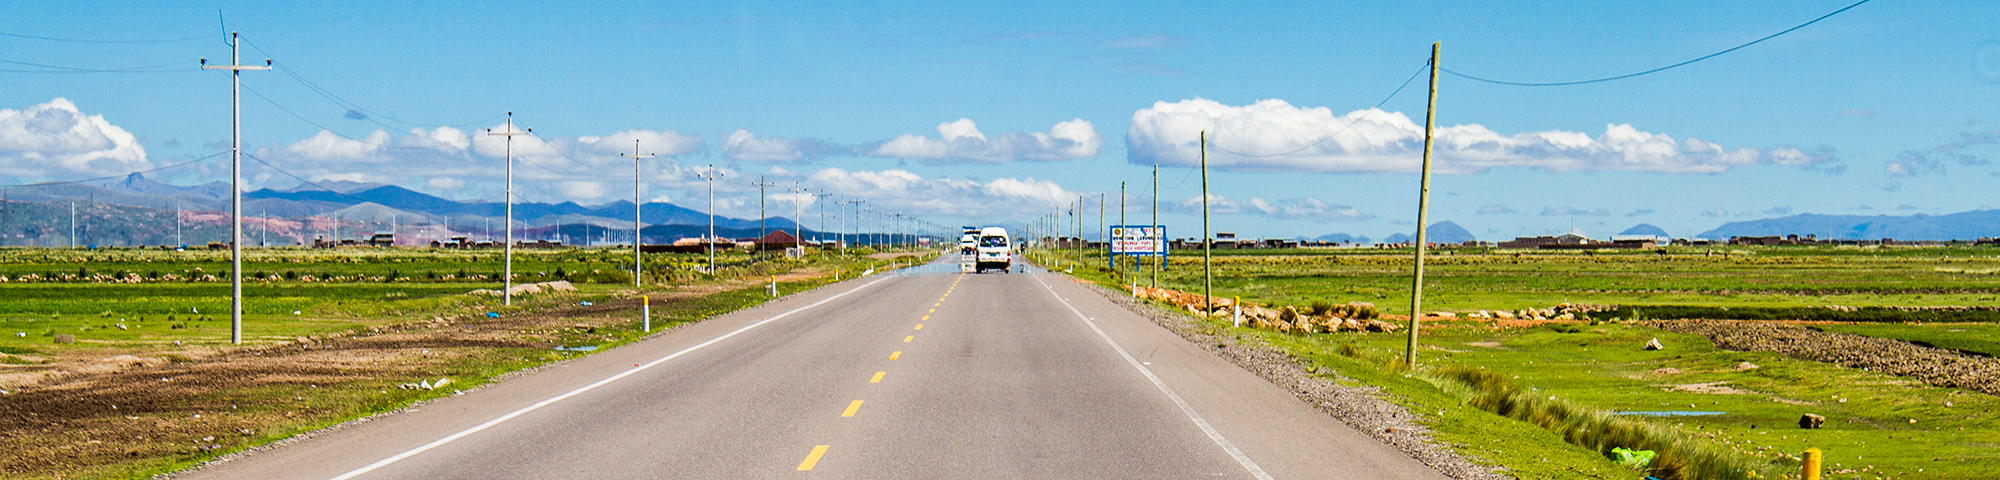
646, 310
1810, 465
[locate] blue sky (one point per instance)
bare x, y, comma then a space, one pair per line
1889, 108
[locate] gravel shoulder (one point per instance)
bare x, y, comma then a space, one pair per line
1360, 407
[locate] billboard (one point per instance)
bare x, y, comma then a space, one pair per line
1141, 240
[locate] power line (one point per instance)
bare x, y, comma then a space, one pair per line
1656, 70
69, 69
122, 175
303, 118
368, 114
86, 40
1357, 120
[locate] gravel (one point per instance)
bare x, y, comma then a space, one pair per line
1935, 366
1360, 407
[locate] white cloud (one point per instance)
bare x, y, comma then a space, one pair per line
55, 139
961, 142
1563, 211
580, 190
444, 183
667, 143
1494, 209
1258, 137
902, 191
1302, 208
742, 145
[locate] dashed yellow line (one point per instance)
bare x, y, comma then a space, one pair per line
851, 408
878, 376
927, 317
893, 355
933, 310
920, 326
909, 338
813, 458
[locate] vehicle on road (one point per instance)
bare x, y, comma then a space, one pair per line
995, 250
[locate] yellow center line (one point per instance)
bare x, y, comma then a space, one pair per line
813, 458
920, 326
893, 355
878, 377
927, 317
851, 408
932, 310
909, 338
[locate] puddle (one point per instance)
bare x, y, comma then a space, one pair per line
584, 348
1672, 413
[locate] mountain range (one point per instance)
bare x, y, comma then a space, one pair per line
1969, 225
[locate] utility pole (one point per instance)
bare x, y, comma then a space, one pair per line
1423, 208
1121, 221
857, 220
820, 236
507, 275
72, 224
798, 223
762, 229
638, 262
1159, 236
235, 68
710, 176
1207, 242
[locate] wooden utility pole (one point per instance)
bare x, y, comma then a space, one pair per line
1159, 236
1423, 210
1207, 244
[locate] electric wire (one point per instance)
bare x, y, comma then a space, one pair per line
68, 69
86, 40
367, 114
1655, 70
126, 174
294, 114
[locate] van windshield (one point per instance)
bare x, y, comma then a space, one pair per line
993, 241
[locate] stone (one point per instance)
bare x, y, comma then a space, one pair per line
1746, 366
65, 338
1811, 422
1654, 344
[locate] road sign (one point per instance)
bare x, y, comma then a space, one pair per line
1138, 240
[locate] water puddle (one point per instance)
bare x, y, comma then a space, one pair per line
1672, 413
584, 348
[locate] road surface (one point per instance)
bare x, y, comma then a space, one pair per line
920, 374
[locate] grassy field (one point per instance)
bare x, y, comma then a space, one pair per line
1737, 408
350, 350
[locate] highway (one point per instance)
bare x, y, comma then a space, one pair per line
920, 374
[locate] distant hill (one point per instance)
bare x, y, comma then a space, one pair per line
1341, 238
1439, 233
1958, 226
1645, 229
138, 183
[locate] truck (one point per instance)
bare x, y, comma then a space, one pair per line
995, 250
968, 250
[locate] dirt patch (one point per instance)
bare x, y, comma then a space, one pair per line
1709, 388
184, 404
1935, 366
1359, 407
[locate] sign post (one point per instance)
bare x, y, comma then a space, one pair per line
1136, 241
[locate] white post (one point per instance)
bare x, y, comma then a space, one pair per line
507, 275
235, 68
646, 310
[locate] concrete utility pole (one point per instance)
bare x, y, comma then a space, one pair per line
235, 68
798, 221
1423, 208
507, 275
1159, 236
72, 224
1207, 240
857, 221
1121, 220
710, 176
820, 236
638, 262
762, 229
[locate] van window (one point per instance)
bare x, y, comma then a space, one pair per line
993, 241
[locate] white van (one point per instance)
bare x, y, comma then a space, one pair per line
996, 250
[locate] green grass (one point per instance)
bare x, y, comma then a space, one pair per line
1593, 370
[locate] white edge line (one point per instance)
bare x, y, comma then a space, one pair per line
1255, 470
552, 400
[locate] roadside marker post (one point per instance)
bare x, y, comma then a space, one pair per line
646, 311
1236, 311
1810, 464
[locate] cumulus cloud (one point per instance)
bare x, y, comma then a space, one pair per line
444, 183
55, 139
1272, 135
1913, 163
1494, 209
666, 143
1564, 211
742, 145
961, 142
901, 190
1302, 208
1718, 212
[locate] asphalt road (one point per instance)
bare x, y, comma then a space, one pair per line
923, 374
